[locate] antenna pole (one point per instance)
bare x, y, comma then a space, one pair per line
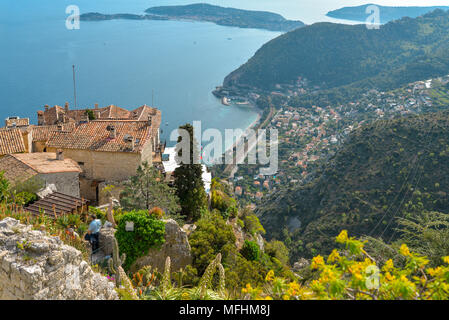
74, 85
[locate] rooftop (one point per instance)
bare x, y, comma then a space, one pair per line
43, 133
26, 165
96, 136
11, 141
57, 203
57, 114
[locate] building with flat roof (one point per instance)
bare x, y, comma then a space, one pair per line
50, 168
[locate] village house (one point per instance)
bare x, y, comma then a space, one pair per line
48, 168
238, 191
107, 143
109, 151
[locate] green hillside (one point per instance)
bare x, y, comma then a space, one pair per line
333, 55
386, 14
385, 170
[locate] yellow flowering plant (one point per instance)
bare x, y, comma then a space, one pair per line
353, 274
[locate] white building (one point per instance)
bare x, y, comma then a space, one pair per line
169, 163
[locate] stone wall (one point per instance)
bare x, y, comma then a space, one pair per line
65, 182
35, 266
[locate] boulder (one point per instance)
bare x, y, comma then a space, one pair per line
176, 246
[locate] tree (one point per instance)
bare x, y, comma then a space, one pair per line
147, 190
188, 179
4, 186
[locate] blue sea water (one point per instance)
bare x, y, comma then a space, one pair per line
123, 62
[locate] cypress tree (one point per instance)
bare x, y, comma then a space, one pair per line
188, 181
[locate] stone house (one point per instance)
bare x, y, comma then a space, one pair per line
50, 168
41, 134
108, 151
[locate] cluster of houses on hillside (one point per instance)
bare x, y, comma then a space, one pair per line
79, 152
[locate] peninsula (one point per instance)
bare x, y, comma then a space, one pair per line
386, 14
230, 17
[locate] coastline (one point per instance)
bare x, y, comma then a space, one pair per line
250, 127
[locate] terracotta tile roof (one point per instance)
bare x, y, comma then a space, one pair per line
95, 136
59, 114
15, 170
11, 141
23, 122
43, 133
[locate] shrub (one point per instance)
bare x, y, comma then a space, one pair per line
253, 225
157, 212
100, 214
148, 232
250, 250
277, 249
212, 236
352, 274
25, 198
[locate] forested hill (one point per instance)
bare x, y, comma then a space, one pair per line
385, 170
332, 55
227, 16
386, 14
230, 17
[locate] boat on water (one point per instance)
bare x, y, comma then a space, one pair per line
225, 101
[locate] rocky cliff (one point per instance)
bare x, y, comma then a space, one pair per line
35, 266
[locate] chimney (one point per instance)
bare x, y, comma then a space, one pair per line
149, 121
46, 107
60, 127
130, 141
96, 106
66, 107
59, 155
112, 132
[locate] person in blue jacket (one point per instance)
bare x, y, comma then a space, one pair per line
93, 232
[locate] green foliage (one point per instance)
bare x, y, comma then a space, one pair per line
4, 186
188, 180
222, 200
426, 233
277, 249
211, 237
252, 224
25, 198
366, 185
332, 55
90, 114
147, 189
32, 185
250, 250
148, 232
100, 214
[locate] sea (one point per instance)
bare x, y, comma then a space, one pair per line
171, 65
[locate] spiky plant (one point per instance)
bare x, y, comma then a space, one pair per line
115, 263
